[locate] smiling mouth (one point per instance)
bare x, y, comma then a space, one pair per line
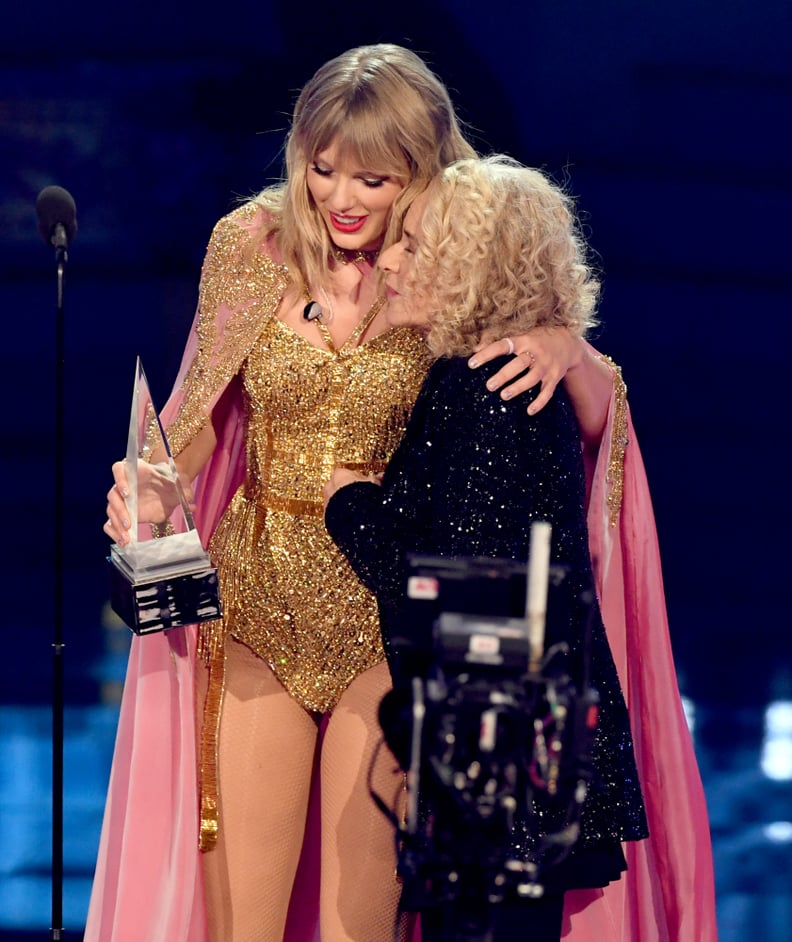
347, 223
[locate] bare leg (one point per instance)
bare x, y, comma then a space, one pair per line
359, 890
267, 745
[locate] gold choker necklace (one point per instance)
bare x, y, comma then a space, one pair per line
358, 256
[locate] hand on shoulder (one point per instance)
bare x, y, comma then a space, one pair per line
546, 353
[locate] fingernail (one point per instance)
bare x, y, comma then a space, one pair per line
531, 410
507, 394
125, 491
126, 524
473, 363
491, 385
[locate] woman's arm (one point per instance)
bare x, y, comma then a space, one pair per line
466, 481
156, 497
547, 355
239, 291
374, 525
589, 385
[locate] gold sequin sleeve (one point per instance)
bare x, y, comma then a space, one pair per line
240, 291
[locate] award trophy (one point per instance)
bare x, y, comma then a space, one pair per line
159, 582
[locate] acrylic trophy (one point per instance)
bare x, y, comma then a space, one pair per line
158, 581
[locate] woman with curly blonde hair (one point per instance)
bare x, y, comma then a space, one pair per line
500, 253
490, 250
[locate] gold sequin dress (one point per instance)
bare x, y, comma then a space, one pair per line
288, 592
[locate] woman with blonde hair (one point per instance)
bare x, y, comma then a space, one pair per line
491, 250
499, 254
289, 370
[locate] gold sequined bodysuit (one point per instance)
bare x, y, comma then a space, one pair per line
288, 593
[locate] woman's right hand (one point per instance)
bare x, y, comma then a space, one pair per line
157, 499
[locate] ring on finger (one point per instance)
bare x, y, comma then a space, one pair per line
509, 345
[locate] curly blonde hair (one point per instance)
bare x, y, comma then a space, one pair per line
499, 251
382, 106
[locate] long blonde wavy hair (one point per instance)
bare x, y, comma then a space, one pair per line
499, 250
384, 108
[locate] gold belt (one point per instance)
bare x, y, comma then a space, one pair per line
299, 508
315, 508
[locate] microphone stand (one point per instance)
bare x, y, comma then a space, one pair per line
57, 217
56, 931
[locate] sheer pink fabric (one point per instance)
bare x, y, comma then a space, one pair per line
148, 883
667, 895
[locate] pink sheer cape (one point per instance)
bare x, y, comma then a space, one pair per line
668, 893
148, 881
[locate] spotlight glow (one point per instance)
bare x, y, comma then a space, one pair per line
689, 708
776, 759
779, 832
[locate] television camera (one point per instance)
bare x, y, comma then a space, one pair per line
493, 729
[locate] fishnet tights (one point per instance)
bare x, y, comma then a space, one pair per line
359, 890
267, 748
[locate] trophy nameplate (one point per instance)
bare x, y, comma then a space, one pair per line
159, 582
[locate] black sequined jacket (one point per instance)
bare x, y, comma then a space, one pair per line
470, 475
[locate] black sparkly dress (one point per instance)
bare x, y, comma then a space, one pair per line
470, 475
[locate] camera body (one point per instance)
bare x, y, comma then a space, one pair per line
496, 750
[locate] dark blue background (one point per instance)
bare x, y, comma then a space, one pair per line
668, 121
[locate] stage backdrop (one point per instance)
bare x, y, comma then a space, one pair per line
667, 121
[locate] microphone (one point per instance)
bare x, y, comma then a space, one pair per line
57, 216
313, 311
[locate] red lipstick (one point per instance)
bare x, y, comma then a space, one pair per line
347, 226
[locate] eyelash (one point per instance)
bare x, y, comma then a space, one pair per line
372, 183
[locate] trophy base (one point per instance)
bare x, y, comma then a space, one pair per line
164, 603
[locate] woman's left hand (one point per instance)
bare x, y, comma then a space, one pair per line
548, 353
342, 476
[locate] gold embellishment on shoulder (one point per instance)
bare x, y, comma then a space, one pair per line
618, 442
240, 290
